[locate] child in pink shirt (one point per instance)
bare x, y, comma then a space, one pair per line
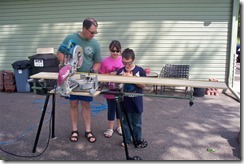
110, 65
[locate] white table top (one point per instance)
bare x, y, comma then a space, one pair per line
152, 74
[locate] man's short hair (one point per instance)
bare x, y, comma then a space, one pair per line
88, 22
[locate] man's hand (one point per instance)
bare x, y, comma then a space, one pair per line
93, 71
61, 65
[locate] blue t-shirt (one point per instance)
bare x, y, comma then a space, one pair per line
133, 103
91, 51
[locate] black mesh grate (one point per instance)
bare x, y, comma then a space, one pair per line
175, 71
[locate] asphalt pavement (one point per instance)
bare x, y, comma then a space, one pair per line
174, 130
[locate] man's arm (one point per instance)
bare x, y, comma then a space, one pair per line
96, 66
61, 57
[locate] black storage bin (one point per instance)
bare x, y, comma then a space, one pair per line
22, 74
44, 63
199, 92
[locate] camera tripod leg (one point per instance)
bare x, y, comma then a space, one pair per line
129, 125
119, 102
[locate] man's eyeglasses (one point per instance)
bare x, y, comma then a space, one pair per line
93, 33
127, 63
115, 51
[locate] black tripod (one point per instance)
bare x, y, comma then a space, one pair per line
119, 98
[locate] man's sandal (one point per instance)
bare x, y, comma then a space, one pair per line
108, 133
74, 138
89, 136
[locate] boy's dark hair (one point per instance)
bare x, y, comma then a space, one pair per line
88, 22
128, 53
116, 44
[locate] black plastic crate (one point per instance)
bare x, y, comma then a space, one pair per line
44, 63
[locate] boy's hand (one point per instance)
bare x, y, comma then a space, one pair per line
128, 74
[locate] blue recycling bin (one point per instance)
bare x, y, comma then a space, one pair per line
22, 74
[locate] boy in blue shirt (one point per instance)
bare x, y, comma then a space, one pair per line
133, 105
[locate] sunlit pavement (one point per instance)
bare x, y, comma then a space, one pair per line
173, 129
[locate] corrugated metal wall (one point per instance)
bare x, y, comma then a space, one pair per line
193, 32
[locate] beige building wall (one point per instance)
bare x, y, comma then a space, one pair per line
193, 32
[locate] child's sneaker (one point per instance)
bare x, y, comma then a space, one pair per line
119, 130
108, 133
141, 143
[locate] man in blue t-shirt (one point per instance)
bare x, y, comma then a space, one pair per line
91, 63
